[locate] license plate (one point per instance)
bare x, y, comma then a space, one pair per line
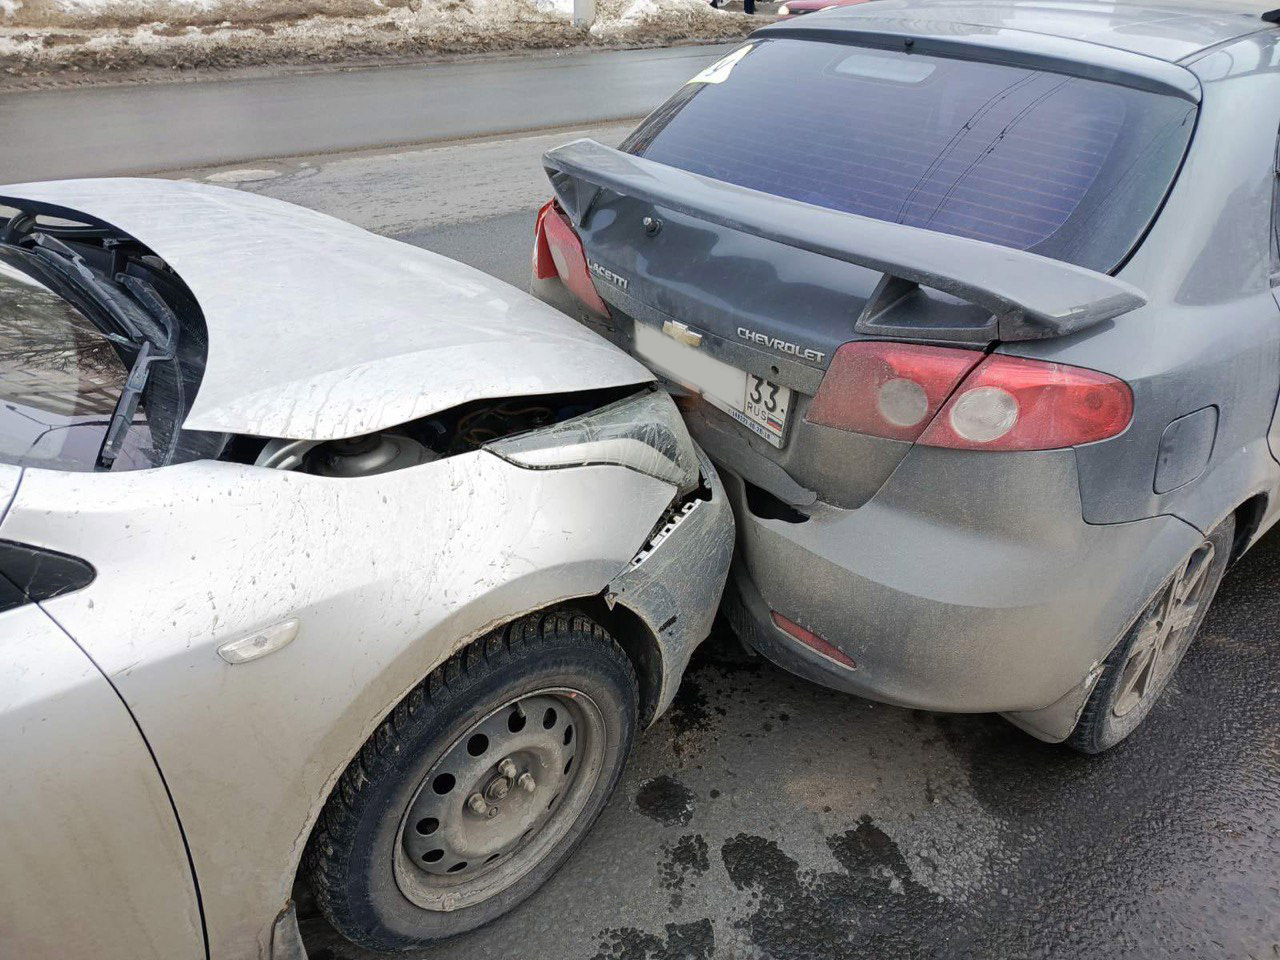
756, 403
764, 408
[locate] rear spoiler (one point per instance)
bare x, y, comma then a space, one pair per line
1030, 296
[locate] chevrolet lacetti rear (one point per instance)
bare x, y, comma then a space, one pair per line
980, 331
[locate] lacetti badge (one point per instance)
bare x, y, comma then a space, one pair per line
782, 346
604, 273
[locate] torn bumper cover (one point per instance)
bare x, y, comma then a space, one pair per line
674, 583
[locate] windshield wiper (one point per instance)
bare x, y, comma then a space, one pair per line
155, 344
70, 265
127, 405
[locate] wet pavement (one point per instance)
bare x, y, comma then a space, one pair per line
124, 130
765, 817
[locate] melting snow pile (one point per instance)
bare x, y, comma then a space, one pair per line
44, 35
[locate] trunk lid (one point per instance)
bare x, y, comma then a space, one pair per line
772, 287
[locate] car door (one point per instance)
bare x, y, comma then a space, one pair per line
92, 859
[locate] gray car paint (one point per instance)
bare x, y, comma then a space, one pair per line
998, 582
1031, 296
1169, 31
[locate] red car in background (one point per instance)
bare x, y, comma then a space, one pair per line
794, 8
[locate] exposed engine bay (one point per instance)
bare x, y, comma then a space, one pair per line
456, 431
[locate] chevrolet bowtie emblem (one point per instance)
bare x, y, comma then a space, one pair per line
681, 333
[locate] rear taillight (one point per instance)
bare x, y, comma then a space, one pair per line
888, 389
945, 397
557, 251
544, 268
1011, 403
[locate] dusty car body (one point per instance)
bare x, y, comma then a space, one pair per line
1080, 196
196, 651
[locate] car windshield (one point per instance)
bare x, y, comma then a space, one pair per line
60, 378
1069, 168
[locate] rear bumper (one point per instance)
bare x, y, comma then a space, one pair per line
1004, 601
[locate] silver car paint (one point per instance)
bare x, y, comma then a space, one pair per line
9, 477
388, 575
103, 875
378, 332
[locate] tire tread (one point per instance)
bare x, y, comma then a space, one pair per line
322, 866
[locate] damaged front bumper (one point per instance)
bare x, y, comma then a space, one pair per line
674, 583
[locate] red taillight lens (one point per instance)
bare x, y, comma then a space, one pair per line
557, 251
1011, 403
544, 268
944, 397
888, 389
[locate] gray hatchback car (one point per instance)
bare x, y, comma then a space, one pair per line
974, 306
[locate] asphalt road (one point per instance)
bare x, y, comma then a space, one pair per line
111, 131
768, 818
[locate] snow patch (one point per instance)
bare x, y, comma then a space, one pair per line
46, 35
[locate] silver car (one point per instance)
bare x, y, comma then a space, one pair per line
322, 558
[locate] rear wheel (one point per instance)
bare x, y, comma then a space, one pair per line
478, 786
1140, 667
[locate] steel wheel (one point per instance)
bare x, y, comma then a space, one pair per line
1163, 635
499, 798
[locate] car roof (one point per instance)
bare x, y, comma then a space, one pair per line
1171, 31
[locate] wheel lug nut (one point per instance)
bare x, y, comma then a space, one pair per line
477, 804
526, 783
507, 768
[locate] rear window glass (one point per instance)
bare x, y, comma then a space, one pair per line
1069, 168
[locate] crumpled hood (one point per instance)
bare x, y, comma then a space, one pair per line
320, 330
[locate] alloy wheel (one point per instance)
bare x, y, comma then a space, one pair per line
1162, 636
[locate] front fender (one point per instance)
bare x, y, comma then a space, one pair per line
387, 576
